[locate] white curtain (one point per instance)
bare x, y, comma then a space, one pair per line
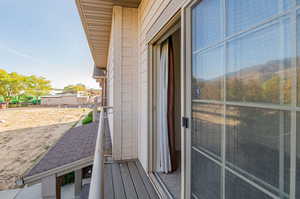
165, 159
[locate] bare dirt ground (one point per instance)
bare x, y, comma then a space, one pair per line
26, 134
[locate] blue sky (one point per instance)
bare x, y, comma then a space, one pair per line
45, 38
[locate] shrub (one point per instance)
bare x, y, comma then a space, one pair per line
14, 105
88, 119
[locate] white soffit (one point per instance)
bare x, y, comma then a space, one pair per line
96, 17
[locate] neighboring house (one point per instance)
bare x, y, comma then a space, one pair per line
204, 95
64, 158
56, 91
65, 99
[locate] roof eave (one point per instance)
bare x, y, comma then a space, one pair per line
59, 171
96, 19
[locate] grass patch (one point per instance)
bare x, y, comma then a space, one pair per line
88, 119
17, 105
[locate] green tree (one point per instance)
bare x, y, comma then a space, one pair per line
271, 89
3, 82
12, 84
235, 89
37, 86
253, 91
74, 88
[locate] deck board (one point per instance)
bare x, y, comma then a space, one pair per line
119, 190
138, 182
108, 182
126, 180
148, 185
128, 184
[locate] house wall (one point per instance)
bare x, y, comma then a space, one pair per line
127, 71
83, 99
122, 83
110, 83
70, 100
50, 101
129, 83
64, 100
152, 15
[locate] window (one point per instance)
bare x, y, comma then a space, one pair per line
255, 70
245, 85
207, 23
208, 121
258, 145
206, 181
207, 80
242, 15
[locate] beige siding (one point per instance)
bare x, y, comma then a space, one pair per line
129, 83
152, 15
128, 74
110, 83
122, 82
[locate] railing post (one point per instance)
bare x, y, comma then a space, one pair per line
95, 110
97, 181
97, 185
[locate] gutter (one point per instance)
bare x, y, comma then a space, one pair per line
58, 171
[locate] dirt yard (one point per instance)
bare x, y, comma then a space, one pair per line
26, 134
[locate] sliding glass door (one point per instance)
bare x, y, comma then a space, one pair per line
245, 99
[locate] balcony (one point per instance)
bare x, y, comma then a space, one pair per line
115, 179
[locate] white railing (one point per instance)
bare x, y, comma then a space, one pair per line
97, 181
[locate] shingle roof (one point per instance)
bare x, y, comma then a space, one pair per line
76, 144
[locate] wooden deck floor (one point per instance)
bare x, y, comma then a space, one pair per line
125, 180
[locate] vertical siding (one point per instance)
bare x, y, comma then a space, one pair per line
128, 77
117, 79
129, 83
110, 83
110, 74
122, 82
149, 11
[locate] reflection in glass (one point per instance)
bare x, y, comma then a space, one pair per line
298, 157
259, 66
298, 56
207, 125
206, 20
242, 15
208, 75
236, 188
258, 144
206, 176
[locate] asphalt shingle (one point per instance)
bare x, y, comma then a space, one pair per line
76, 144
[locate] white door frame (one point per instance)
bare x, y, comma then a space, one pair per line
184, 14
186, 108
154, 59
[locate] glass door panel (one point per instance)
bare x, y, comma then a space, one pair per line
243, 94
